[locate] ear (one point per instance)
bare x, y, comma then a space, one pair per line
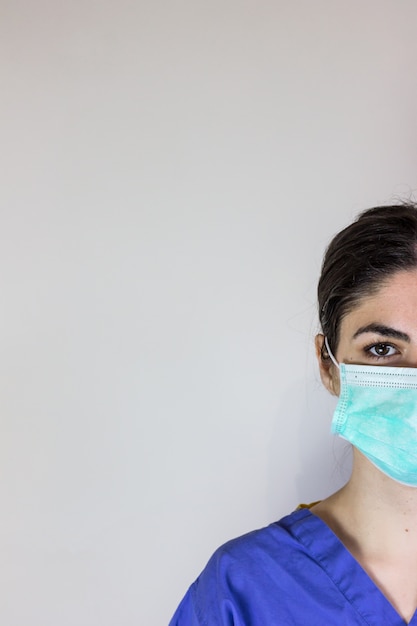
329, 373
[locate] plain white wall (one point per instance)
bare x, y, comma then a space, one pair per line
171, 173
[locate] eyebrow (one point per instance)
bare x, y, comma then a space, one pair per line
380, 329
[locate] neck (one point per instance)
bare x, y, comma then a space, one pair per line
376, 519
372, 510
372, 491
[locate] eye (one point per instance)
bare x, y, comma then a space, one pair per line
381, 350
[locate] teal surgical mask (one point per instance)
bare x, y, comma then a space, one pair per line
377, 413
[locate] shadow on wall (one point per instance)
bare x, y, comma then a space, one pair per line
306, 461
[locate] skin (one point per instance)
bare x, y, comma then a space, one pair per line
373, 515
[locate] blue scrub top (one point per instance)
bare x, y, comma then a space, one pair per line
295, 572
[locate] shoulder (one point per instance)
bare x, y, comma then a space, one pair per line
259, 548
244, 573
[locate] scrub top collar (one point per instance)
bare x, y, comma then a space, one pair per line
344, 570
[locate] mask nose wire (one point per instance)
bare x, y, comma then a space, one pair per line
330, 353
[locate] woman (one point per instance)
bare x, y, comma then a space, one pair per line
350, 559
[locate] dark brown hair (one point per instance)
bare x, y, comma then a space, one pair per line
380, 242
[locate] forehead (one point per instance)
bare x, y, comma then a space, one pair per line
393, 304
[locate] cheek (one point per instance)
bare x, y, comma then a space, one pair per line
334, 381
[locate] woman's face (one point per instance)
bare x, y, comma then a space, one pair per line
381, 330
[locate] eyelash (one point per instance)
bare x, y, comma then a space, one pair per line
383, 344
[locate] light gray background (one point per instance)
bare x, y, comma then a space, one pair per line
171, 173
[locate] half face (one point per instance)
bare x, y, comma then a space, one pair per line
381, 330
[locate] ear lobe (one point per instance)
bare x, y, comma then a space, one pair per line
328, 371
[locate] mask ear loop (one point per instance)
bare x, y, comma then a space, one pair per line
330, 353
